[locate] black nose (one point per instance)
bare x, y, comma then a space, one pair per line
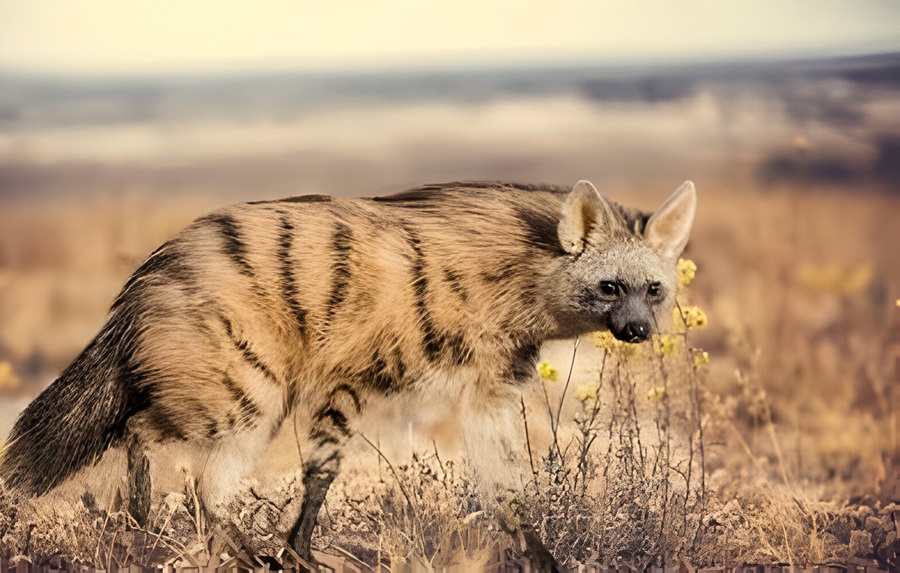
634, 332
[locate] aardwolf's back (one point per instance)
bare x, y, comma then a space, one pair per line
260, 307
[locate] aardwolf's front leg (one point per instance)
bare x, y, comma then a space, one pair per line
494, 443
318, 473
329, 433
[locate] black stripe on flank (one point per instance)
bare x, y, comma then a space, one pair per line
229, 330
246, 352
399, 365
288, 286
212, 428
254, 359
383, 377
433, 341
459, 351
234, 245
340, 245
247, 408
290, 400
430, 337
540, 229
505, 272
523, 362
453, 281
165, 423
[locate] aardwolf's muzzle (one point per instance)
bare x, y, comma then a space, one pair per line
633, 332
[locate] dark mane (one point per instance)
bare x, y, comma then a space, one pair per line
434, 191
298, 199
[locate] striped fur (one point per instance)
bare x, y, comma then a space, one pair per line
321, 305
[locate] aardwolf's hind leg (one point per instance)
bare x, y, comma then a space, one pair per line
138, 481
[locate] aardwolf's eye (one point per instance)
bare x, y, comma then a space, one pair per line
609, 288
654, 290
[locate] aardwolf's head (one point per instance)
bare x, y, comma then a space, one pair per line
620, 270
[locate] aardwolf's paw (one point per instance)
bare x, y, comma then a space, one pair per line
537, 552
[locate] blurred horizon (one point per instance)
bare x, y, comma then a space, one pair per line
102, 37
829, 121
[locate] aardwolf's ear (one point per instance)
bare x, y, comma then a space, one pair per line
668, 229
583, 210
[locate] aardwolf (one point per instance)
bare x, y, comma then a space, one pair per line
318, 306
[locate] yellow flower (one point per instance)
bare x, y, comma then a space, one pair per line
690, 316
605, 340
701, 359
548, 372
656, 394
686, 271
666, 344
587, 392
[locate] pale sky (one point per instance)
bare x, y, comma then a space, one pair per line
137, 36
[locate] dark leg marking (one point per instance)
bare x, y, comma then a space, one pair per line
337, 419
317, 479
234, 244
288, 286
340, 244
138, 481
319, 471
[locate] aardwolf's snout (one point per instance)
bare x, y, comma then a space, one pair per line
633, 332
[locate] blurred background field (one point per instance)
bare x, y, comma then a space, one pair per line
796, 157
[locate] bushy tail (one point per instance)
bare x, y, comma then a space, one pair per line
74, 420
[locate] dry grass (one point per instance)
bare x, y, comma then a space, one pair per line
772, 452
